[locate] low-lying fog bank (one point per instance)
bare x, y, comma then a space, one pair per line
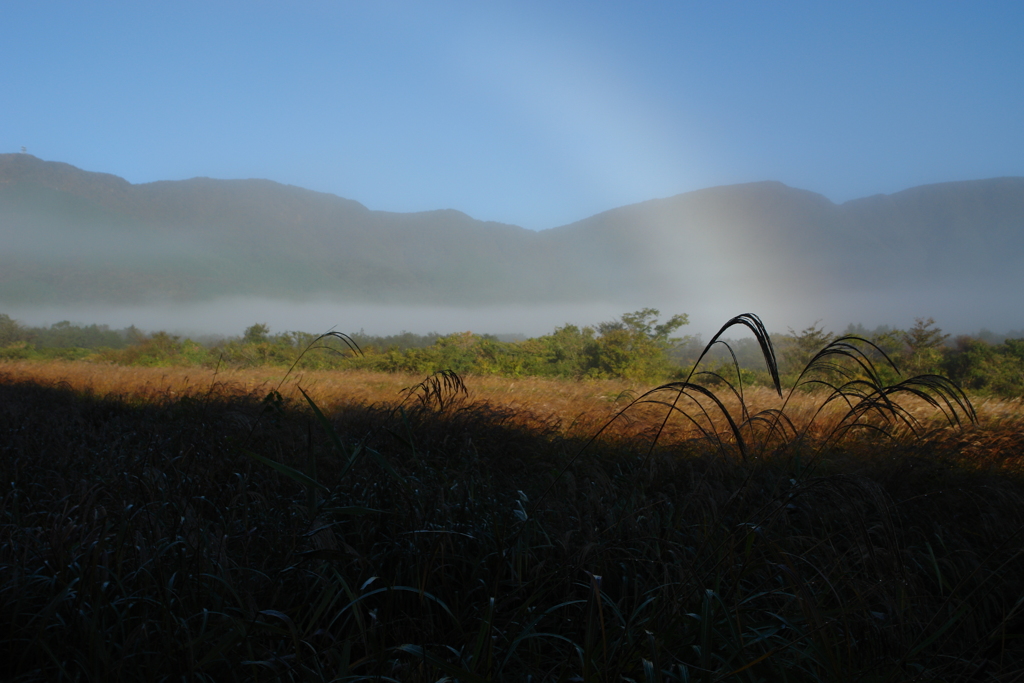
232, 316
959, 312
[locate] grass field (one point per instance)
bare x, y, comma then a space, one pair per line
183, 524
569, 403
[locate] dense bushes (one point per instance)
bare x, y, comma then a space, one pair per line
636, 346
981, 367
982, 364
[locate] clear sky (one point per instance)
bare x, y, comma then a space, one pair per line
533, 113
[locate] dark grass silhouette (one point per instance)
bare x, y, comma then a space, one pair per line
228, 536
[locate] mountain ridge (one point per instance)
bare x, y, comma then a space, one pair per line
72, 235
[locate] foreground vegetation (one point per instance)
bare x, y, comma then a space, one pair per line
215, 531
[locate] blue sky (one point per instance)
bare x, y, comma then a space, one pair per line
533, 113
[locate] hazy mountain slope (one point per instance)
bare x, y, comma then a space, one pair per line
238, 237
71, 235
725, 241
948, 230
764, 245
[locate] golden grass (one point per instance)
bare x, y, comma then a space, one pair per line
331, 389
572, 406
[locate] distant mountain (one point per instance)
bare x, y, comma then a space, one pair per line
68, 235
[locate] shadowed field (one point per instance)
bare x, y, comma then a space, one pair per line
180, 523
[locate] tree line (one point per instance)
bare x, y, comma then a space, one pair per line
636, 346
